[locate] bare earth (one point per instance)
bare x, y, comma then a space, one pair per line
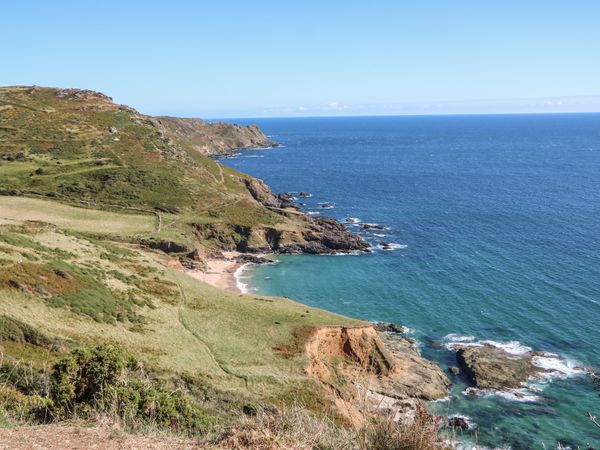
220, 272
55, 437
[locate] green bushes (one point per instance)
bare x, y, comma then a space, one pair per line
83, 375
146, 402
103, 380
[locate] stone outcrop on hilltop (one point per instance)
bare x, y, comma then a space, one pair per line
216, 138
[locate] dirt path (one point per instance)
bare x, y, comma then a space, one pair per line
61, 437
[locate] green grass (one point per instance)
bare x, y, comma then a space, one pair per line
74, 218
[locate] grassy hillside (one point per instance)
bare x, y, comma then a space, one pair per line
99, 208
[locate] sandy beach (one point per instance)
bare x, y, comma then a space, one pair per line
220, 272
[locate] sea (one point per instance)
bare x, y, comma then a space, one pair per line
490, 231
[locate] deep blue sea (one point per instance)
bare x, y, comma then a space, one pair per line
500, 219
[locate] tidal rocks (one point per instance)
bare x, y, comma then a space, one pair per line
327, 205
253, 259
372, 226
490, 367
458, 422
305, 194
286, 200
390, 327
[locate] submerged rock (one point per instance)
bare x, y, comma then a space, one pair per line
372, 226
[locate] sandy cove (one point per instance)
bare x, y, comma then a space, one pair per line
220, 272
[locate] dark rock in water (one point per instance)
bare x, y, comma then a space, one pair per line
490, 367
253, 259
386, 245
458, 422
372, 226
305, 194
455, 370
327, 205
286, 197
389, 327
287, 200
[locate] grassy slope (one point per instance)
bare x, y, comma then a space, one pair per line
116, 291
66, 139
171, 321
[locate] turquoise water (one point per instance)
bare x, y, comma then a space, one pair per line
500, 216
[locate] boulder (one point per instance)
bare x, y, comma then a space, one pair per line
458, 422
489, 367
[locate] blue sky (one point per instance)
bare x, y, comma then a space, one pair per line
288, 58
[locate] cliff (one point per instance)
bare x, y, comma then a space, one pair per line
216, 138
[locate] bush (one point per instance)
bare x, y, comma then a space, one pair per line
103, 380
26, 380
83, 375
139, 401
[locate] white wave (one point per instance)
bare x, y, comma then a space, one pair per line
453, 337
352, 220
379, 235
517, 395
254, 156
511, 347
239, 272
556, 367
312, 213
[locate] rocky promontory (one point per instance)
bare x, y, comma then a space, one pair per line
216, 138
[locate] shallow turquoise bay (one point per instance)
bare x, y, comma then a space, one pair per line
500, 216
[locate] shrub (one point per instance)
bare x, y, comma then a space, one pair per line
84, 374
139, 401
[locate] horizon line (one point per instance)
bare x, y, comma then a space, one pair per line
332, 116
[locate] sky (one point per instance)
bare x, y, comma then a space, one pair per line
311, 58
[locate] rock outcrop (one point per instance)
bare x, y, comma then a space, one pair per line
360, 354
216, 138
490, 367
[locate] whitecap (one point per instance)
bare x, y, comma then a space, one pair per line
243, 287
517, 395
352, 220
312, 213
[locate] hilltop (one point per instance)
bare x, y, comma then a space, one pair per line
102, 211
